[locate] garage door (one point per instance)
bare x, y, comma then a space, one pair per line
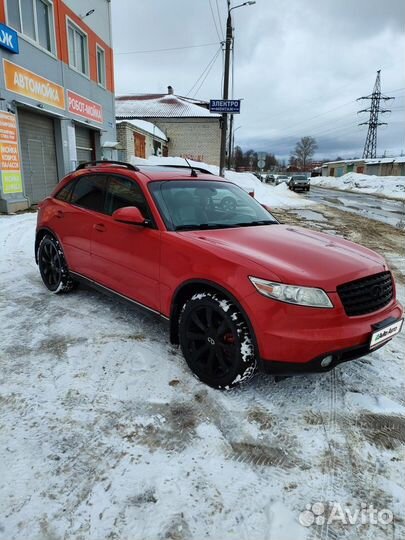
84, 144
38, 154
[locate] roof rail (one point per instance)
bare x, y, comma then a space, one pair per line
106, 162
170, 166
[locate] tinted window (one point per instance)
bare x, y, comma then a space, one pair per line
123, 192
187, 205
65, 193
89, 192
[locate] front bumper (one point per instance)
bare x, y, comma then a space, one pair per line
295, 339
315, 365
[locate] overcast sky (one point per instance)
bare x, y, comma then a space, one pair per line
299, 65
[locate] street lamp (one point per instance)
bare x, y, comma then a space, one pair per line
228, 44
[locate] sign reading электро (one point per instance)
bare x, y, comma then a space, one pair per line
26, 83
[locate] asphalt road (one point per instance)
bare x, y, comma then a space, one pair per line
387, 211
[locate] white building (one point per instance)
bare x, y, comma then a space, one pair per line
191, 130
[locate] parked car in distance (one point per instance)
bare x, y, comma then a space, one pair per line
239, 290
299, 182
276, 179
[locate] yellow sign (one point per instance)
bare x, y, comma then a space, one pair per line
12, 182
26, 83
10, 166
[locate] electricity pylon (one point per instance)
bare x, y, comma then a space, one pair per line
370, 146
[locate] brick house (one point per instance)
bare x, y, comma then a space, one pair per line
191, 130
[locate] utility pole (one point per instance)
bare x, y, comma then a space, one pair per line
370, 146
228, 43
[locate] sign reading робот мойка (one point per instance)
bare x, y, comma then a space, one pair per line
225, 106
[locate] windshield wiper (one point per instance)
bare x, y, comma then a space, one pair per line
202, 227
254, 223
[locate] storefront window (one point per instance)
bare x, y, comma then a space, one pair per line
28, 21
13, 12
100, 66
78, 50
44, 33
34, 19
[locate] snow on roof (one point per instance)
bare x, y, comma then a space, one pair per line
374, 161
377, 161
159, 106
146, 126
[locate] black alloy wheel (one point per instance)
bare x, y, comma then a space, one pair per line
52, 266
215, 341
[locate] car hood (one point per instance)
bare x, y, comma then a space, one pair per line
294, 255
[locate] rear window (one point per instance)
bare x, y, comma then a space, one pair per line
89, 192
66, 192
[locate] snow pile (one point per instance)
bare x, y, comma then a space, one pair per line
273, 196
388, 186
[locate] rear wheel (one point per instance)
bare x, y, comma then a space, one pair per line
216, 342
53, 267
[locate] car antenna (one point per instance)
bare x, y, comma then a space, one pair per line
193, 172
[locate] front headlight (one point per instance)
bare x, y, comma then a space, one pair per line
302, 296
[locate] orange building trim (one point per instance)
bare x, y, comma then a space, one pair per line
2, 11
61, 12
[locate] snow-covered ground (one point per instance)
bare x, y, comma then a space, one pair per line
272, 196
105, 434
386, 186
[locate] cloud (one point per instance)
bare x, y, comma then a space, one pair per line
299, 65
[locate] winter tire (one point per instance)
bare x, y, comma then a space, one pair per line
216, 342
52, 266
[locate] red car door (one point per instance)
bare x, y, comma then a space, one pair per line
124, 257
74, 219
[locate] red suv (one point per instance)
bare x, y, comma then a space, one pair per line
239, 289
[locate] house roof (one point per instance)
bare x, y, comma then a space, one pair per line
160, 106
148, 127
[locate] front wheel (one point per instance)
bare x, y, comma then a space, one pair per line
216, 342
52, 266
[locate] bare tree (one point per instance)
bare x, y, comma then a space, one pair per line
305, 149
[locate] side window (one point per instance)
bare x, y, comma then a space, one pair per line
65, 193
89, 192
123, 192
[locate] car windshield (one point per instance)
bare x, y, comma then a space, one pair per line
300, 177
196, 205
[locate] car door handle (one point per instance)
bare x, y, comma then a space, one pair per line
99, 227
59, 214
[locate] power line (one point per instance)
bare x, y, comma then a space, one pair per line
204, 71
219, 21
319, 115
215, 22
206, 75
169, 49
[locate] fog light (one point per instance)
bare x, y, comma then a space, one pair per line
327, 361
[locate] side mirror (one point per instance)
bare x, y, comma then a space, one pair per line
129, 214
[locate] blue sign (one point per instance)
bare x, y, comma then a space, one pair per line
230, 106
8, 38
